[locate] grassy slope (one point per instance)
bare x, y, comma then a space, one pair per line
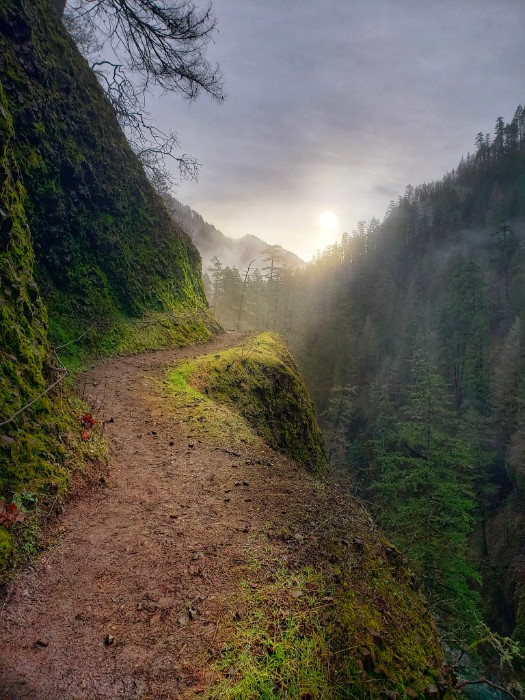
260, 382
339, 617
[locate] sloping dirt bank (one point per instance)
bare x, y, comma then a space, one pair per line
134, 600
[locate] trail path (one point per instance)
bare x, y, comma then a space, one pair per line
163, 536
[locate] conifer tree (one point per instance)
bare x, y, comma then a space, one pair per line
506, 245
426, 495
215, 270
336, 419
506, 382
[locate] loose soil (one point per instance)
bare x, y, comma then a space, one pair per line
131, 599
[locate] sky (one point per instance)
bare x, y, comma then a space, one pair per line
334, 106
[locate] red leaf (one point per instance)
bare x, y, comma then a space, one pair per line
85, 434
87, 420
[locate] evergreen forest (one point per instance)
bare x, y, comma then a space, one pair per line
410, 332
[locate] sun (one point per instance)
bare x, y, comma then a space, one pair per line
328, 222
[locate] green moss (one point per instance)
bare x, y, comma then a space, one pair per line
203, 417
26, 443
123, 335
37, 454
393, 638
351, 629
260, 382
6, 548
279, 646
106, 248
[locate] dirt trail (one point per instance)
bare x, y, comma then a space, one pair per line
147, 561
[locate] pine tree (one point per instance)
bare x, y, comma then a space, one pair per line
506, 245
336, 419
506, 383
215, 270
426, 494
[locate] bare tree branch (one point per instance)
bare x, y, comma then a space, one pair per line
138, 45
161, 42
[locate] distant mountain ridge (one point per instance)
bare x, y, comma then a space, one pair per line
232, 252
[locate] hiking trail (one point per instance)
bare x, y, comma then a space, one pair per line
128, 601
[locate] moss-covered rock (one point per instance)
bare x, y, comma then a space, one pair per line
106, 247
351, 628
27, 444
260, 381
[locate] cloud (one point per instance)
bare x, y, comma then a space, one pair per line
338, 105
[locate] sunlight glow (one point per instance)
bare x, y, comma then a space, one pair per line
328, 222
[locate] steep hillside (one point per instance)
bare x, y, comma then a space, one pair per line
410, 335
106, 249
231, 252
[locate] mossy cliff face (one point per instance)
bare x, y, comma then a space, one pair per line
23, 347
26, 443
259, 380
84, 242
105, 246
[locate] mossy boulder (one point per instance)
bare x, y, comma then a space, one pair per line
259, 380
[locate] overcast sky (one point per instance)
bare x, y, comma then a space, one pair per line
334, 106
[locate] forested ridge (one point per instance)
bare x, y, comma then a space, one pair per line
409, 332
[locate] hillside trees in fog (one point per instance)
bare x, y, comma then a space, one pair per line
425, 489
464, 330
437, 453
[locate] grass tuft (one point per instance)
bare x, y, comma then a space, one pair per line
278, 647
